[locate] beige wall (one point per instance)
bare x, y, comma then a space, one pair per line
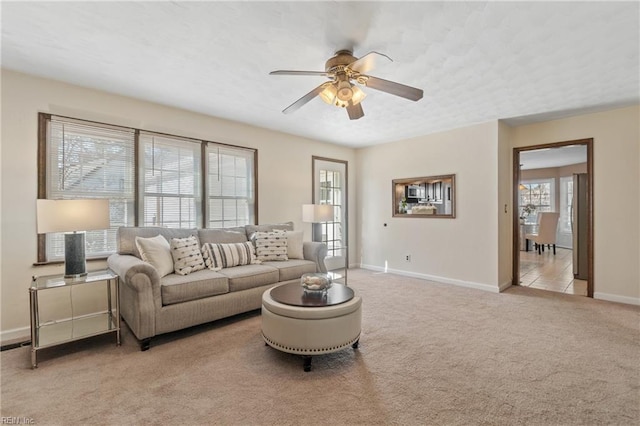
284, 163
475, 249
472, 250
461, 251
616, 161
505, 209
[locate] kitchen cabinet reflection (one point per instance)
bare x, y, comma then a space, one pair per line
427, 196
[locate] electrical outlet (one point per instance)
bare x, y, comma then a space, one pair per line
407, 258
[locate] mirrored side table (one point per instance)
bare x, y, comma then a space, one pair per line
337, 266
56, 332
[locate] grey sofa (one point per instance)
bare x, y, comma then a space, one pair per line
151, 305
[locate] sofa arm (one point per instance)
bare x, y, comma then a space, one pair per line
139, 293
315, 252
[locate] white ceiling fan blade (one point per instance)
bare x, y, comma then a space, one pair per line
303, 100
407, 92
369, 62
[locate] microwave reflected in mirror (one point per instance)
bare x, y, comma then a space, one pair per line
424, 197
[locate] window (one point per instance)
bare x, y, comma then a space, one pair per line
566, 204
331, 193
230, 178
540, 193
81, 159
564, 237
89, 161
170, 187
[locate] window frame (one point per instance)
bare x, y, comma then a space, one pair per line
252, 187
42, 160
551, 181
168, 143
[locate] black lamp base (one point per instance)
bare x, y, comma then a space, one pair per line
316, 232
75, 264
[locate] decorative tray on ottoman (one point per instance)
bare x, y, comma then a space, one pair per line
313, 282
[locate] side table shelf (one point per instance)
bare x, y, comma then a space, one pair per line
53, 333
337, 266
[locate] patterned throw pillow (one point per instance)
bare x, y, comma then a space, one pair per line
186, 255
219, 255
271, 245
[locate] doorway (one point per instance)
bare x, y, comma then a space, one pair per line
330, 186
554, 178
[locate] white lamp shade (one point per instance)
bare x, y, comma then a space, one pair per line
316, 213
72, 215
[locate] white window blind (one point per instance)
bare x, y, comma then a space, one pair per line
170, 193
90, 161
93, 160
230, 181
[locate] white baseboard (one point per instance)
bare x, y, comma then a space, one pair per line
486, 287
615, 298
443, 280
21, 334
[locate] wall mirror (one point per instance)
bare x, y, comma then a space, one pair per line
429, 196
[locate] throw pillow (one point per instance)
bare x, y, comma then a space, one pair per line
295, 242
157, 252
226, 255
251, 229
271, 245
186, 255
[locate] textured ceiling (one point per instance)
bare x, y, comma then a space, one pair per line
475, 61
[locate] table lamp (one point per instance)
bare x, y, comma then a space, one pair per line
73, 217
317, 213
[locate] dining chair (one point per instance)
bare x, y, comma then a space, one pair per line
547, 226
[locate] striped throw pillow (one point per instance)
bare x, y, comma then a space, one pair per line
218, 255
186, 255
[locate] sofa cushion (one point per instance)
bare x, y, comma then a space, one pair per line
176, 288
187, 257
126, 236
271, 245
219, 256
250, 276
227, 235
293, 268
157, 252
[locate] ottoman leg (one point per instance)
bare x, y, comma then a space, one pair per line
356, 344
306, 362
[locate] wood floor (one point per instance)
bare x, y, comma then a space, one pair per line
549, 272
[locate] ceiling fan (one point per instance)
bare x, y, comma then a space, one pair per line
344, 69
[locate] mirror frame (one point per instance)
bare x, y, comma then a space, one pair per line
398, 190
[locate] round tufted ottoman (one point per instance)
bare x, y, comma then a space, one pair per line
311, 330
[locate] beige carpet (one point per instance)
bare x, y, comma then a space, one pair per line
429, 354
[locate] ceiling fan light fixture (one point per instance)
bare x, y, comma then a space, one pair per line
329, 92
345, 91
358, 95
345, 70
